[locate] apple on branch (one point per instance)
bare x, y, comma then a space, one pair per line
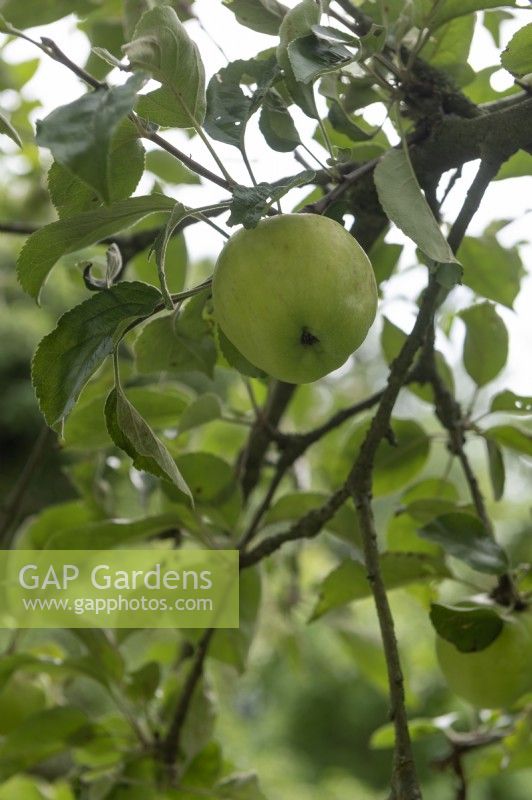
296, 295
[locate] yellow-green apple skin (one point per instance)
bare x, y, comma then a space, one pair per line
497, 676
296, 295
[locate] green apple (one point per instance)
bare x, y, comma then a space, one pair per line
497, 676
296, 295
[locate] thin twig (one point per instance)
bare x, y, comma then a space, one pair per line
307, 527
348, 180
55, 52
51, 49
457, 174
170, 744
283, 465
293, 447
338, 419
251, 459
18, 228
404, 779
450, 415
189, 162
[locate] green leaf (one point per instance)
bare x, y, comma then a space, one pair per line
108, 534
203, 771
250, 203
426, 509
392, 340
102, 650
143, 266
263, 16
330, 34
70, 195
311, 57
297, 23
243, 786
464, 536
496, 468
517, 166
511, 437
106, 37
131, 433
54, 519
490, 270
79, 134
384, 737
448, 49
395, 464
405, 205
29, 15
384, 258
232, 646
7, 129
349, 580
517, 58
233, 358
143, 682
169, 169
179, 213
373, 41
228, 107
184, 344
44, 247
486, 343
276, 124
58, 728
213, 486
205, 409
470, 629
343, 123
513, 403
480, 90
292, 506
161, 406
162, 47
492, 21
84, 337
451, 9
432, 488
